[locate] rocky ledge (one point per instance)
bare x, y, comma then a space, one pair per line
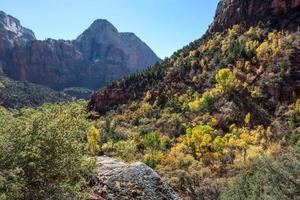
118, 181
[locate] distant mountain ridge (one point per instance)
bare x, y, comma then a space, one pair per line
100, 54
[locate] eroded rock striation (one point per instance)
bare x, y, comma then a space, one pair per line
120, 181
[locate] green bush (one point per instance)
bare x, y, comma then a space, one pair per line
207, 99
153, 141
42, 153
109, 133
269, 178
126, 150
136, 121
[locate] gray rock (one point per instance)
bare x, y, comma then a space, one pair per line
118, 181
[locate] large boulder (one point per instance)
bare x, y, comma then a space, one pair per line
118, 181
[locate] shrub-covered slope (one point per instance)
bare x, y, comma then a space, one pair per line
15, 94
214, 107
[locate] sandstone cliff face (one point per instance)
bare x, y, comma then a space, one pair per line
100, 54
11, 30
114, 46
120, 181
138, 54
279, 13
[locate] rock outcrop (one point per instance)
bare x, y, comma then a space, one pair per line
12, 31
100, 54
279, 13
102, 101
120, 181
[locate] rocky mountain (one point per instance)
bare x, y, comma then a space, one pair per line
11, 29
219, 119
97, 56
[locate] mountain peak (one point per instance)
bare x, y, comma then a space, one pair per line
100, 31
101, 21
97, 56
13, 29
102, 25
102, 38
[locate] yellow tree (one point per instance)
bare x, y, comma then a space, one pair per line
247, 119
226, 80
200, 138
93, 137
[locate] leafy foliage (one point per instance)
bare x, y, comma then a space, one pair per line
274, 177
226, 80
43, 154
206, 113
93, 137
15, 94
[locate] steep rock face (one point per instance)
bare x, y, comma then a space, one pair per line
96, 57
107, 99
138, 54
103, 41
11, 29
11, 34
56, 64
280, 13
120, 181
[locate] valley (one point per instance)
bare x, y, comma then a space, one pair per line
218, 119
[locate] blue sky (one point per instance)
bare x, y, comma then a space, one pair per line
165, 25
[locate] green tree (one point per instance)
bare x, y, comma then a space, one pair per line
43, 154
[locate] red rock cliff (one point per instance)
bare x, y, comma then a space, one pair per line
280, 13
